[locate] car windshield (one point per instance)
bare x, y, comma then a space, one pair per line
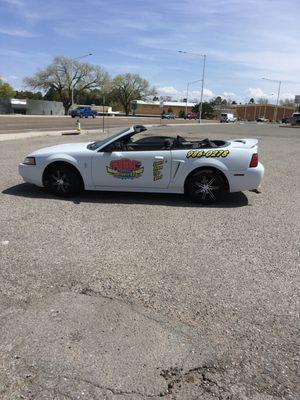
97, 144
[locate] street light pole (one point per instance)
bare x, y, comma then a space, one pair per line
278, 94
186, 100
187, 93
72, 85
203, 74
277, 101
201, 100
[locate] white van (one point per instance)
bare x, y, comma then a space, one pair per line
296, 117
227, 117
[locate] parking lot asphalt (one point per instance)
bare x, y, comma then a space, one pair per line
137, 296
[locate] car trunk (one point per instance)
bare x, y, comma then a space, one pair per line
243, 143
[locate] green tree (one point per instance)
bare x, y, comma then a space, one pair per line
181, 114
6, 91
64, 74
26, 94
217, 101
52, 95
170, 110
251, 101
128, 87
207, 110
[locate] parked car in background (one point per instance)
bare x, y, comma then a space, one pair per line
83, 112
285, 120
227, 117
296, 118
262, 119
168, 116
192, 115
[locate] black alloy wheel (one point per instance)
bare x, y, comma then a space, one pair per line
63, 181
206, 187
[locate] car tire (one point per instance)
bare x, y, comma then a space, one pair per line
205, 186
63, 180
93, 116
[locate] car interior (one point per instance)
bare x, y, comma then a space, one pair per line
153, 143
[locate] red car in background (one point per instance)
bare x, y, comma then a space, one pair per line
191, 115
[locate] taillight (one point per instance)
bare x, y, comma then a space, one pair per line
254, 161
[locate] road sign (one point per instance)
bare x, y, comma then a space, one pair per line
297, 99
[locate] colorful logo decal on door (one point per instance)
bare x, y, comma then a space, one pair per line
125, 169
157, 170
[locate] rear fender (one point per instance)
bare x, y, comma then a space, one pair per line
189, 167
216, 166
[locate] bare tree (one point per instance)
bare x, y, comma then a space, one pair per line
129, 87
287, 103
64, 74
263, 100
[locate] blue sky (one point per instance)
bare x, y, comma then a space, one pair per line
244, 40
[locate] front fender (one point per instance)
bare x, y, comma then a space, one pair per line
82, 165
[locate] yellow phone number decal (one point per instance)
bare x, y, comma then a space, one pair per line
207, 154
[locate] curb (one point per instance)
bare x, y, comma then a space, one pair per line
27, 135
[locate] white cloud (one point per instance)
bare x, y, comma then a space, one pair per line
13, 2
17, 32
284, 96
228, 94
167, 90
207, 93
256, 93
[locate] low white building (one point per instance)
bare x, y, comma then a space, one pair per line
141, 107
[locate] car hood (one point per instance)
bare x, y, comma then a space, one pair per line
62, 148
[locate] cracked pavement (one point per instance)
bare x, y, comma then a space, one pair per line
136, 296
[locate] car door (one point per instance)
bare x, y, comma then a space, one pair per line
132, 169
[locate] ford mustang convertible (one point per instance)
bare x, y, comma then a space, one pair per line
203, 169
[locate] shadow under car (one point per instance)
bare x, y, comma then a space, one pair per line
230, 200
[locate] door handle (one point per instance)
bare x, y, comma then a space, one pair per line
159, 157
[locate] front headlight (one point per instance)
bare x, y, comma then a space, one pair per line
29, 161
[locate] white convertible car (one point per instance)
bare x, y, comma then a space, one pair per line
204, 169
